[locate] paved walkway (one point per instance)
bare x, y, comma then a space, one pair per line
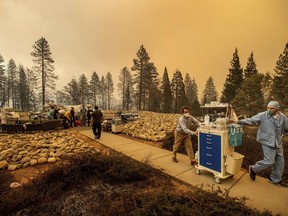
260, 193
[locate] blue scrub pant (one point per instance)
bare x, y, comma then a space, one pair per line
272, 157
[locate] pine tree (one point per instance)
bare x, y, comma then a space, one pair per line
209, 93
250, 94
44, 64
13, 80
141, 66
166, 93
73, 90
152, 88
23, 89
63, 98
94, 88
125, 87
154, 96
251, 67
233, 79
266, 87
3, 83
249, 99
195, 107
280, 87
194, 90
83, 89
32, 81
191, 90
110, 89
178, 91
103, 92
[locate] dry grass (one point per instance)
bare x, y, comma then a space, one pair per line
113, 184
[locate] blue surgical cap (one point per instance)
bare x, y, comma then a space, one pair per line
274, 104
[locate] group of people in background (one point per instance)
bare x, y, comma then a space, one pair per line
85, 115
53, 112
94, 117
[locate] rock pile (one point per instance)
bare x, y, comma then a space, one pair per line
151, 126
23, 150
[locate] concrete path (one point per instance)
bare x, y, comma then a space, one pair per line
260, 193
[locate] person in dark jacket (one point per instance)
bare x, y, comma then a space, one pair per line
72, 117
56, 113
97, 117
89, 115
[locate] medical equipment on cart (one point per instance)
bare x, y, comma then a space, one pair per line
216, 142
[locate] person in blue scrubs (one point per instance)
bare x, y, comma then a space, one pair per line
272, 126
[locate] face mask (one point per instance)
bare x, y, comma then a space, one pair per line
270, 112
186, 115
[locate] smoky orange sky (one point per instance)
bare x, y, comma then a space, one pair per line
197, 37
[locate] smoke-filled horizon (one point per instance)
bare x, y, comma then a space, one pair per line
196, 37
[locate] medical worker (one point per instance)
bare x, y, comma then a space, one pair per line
272, 126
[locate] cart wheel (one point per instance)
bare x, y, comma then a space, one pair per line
197, 171
217, 180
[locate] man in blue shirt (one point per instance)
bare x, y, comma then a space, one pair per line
272, 126
183, 133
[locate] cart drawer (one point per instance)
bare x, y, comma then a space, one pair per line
210, 151
209, 138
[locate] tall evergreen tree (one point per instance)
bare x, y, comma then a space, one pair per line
110, 89
152, 88
209, 93
141, 66
195, 106
73, 90
266, 87
178, 91
194, 90
32, 81
166, 93
103, 92
250, 67
190, 90
83, 89
3, 83
44, 65
250, 95
233, 79
23, 89
94, 88
13, 80
63, 98
280, 87
249, 99
154, 96
125, 87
